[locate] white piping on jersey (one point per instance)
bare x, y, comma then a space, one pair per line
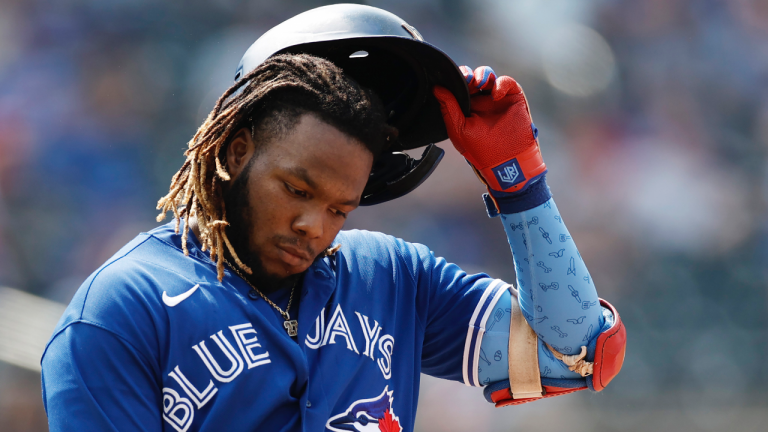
479, 341
471, 380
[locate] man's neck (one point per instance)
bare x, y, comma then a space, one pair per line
194, 227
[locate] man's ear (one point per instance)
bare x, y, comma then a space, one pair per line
239, 152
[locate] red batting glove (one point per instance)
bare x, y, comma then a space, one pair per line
498, 138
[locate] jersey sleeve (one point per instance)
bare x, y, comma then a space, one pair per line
456, 309
101, 367
496, 344
93, 380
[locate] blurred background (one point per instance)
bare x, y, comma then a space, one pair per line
654, 125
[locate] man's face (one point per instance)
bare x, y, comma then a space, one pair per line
289, 201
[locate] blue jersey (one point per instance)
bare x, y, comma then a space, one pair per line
153, 341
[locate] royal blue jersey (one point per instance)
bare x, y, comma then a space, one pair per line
153, 341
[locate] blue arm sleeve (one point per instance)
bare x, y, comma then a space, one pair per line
95, 381
557, 296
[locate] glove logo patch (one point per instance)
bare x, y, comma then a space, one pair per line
509, 174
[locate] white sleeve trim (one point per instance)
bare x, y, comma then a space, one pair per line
476, 330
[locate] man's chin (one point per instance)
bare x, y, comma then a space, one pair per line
271, 272
274, 275
282, 270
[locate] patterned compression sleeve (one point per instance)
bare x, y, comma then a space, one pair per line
557, 296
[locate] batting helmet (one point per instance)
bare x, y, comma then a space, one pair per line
385, 54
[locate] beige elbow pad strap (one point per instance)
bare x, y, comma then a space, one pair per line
525, 385
524, 375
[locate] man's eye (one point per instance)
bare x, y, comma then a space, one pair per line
295, 191
339, 213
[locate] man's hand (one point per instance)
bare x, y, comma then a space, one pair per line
498, 138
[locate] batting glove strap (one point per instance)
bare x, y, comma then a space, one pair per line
515, 174
533, 195
607, 352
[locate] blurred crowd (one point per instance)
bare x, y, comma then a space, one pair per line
654, 125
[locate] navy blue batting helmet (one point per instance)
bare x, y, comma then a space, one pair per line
382, 52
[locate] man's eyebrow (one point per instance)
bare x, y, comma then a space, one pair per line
353, 202
302, 174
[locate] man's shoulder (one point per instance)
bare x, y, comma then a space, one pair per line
151, 261
361, 245
131, 283
368, 243
360, 237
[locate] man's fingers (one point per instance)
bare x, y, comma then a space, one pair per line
505, 86
454, 118
467, 72
484, 78
469, 76
480, 79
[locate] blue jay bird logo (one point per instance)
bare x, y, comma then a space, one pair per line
368, 415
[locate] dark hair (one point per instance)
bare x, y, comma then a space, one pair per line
352, 110
269, 100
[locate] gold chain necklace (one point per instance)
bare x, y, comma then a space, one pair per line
291, 326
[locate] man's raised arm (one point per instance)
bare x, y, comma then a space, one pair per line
558, 336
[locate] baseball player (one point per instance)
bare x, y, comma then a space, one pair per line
252, 310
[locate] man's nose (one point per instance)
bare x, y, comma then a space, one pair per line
309, 224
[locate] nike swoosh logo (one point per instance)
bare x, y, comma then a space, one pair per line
175, 300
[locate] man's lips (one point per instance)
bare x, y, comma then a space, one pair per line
292, 255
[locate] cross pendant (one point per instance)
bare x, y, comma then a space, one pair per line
292, 327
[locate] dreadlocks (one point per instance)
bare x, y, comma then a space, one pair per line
277, 92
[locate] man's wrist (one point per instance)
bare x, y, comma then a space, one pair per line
535, 193
515, 174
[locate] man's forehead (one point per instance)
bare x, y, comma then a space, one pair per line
312, 142
322, 157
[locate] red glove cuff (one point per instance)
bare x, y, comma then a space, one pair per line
513, 175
